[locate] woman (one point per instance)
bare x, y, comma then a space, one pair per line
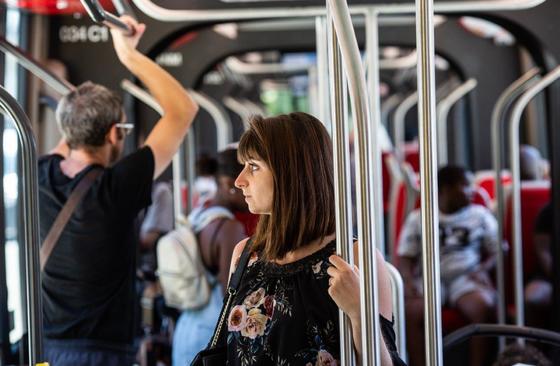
286, 308
217, 231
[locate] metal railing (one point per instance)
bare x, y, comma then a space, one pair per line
365, 189
443, 109
499, 113
60, 85
168, 15
30, 214
397, 286
514, 122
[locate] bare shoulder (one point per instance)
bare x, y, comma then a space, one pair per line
237, 253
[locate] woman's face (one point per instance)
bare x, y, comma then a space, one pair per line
257, 184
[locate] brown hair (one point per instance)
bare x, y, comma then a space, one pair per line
298, 150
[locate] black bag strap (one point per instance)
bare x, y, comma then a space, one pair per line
233, 286
65, 213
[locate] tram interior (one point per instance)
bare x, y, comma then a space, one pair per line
273, 66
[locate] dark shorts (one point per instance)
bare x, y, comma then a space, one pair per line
87, 353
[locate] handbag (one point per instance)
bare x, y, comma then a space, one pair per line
216, 352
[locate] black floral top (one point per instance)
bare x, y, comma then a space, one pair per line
283, 315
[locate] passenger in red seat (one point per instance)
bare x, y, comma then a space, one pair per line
468, 242
532, 165
538, 292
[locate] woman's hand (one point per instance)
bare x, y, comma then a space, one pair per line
125, 45
344, 286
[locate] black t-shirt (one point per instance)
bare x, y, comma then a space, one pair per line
88, 281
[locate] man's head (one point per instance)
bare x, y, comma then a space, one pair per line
455, 188
87, 117
531, 163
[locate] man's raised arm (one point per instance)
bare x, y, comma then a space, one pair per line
179, 109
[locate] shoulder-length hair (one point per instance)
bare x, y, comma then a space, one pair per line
298, 151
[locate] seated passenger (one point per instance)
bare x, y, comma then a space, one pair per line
287, 304
468, 242
88, 280
218, 232
531, 163
538, 292
204, 185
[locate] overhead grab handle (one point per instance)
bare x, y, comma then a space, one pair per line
99, 15
123, 8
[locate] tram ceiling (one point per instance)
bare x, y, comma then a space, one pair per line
495, 67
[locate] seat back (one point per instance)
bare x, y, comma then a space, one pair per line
485, 179
534, 196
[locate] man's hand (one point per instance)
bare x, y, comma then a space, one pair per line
481, 277
125, 45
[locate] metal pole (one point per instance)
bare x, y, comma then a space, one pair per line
428, 168
443, 109
365, 181
343, 196
398, 310
321, 35
31, 228
515, 120
372, 50
219, 116
497, 124
399, 124
61, 86
167, 15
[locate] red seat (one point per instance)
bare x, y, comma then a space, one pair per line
534, 196
485, 180
386, 176
412, 155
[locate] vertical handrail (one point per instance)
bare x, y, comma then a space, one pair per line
516, 114
399, 121
321, 36
498, 119
31, 239
220, 117
398, 309
443, 109
238, 108
373, 81
387, 106
428, 189
364, 180
60, 85
342, 191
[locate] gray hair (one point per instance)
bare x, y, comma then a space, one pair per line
86, 114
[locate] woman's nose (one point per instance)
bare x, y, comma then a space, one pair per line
239, 181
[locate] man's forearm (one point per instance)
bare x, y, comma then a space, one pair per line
164, 88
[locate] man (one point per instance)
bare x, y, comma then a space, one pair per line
88, 280
468, 242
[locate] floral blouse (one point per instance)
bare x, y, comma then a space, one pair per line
283, 315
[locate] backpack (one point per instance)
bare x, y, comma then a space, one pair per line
181, 272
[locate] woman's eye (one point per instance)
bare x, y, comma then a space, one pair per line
253, 167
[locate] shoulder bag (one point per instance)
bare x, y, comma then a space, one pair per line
216, 352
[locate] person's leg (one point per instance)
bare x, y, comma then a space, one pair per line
478, 306
415, 330
538, 302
